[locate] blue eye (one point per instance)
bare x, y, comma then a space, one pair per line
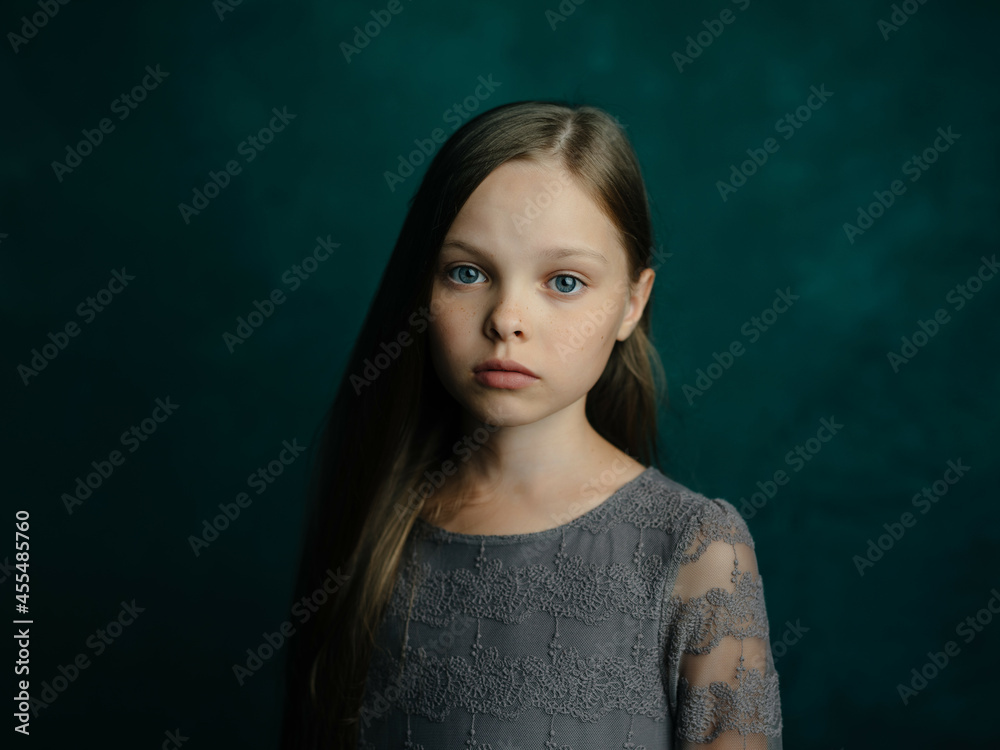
462, 268
469, 274
579, 284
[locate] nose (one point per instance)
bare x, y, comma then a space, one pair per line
506, 319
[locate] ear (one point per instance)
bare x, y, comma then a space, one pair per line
636, 303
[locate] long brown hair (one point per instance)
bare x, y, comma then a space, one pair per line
392, 420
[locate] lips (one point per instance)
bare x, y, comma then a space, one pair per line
503, 365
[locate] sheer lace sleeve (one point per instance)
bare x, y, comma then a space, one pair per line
721, 681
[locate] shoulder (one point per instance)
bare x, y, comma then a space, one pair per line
686, 520
692, 519
707, 544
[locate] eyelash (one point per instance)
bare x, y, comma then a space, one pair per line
583, 284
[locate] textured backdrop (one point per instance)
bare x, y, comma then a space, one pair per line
824, 185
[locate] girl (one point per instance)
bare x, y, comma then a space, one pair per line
518, 573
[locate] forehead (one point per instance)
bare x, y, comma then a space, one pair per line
524, 205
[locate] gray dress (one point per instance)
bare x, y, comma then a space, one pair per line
640, 624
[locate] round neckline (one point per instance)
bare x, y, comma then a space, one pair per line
437, 532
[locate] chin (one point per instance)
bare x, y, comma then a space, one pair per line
497, 409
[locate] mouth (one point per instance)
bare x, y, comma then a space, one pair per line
503, 365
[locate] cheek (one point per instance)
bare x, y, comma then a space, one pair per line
447, 332
591, 330
442, 358
454, 314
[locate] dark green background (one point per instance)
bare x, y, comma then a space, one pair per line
825, 357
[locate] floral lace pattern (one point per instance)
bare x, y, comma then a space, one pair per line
639, 624
586, 688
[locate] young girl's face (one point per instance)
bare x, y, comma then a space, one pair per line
532, 271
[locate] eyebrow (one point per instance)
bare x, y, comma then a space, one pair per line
554, 253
